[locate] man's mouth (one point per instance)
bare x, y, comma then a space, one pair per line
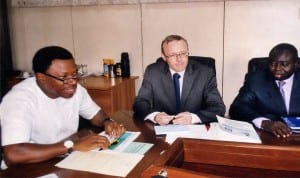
70, 90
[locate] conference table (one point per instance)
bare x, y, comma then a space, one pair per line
188, 157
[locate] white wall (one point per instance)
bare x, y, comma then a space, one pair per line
252, 28
232, 32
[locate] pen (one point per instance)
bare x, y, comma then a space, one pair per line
115, 141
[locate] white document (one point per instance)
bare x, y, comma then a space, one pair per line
223, 130
232, 130
192, 131
102, 162
166, 129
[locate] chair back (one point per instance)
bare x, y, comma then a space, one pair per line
261, 63
257, 64
207, 61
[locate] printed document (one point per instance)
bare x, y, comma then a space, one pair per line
102, 162
118, 160
232, 130
223, 130
123, 141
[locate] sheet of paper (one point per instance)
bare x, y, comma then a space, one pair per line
223, 130
166, 129
52, 175
232, 130
194, 131
103, 162
138, 147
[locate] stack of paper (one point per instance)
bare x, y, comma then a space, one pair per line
224, 130
232, 130
118, 160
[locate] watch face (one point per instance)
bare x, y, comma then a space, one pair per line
68, 144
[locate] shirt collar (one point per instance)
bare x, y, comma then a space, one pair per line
288, 80
180, 73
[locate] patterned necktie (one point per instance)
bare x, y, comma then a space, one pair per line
281, 84
176, 77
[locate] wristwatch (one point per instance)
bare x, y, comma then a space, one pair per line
69, 144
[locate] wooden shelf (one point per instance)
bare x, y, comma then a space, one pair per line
111, 94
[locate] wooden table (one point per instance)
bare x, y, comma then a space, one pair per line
112, 94
179, 158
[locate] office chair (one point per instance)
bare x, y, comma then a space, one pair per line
261, 63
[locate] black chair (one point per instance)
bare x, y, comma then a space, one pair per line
261, 63
257, 64
208, 61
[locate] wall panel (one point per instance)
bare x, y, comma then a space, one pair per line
252, 28
231, 31
200, 23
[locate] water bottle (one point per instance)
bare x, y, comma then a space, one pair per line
125, 65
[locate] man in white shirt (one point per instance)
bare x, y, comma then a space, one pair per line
272, 93
40, 114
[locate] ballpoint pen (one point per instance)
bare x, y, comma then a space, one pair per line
115, 141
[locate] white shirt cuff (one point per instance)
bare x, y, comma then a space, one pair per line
195, 119
151, 117
257, 121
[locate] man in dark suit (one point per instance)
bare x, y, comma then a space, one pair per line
198, 98
271, 93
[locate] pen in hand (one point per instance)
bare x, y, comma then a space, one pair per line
115, 141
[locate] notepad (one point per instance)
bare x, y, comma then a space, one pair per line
293, 123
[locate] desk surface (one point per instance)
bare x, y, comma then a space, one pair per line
147, 135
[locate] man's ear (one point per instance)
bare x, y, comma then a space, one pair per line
40, 77
163, 57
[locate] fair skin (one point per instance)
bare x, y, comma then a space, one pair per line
172, 55
53, 88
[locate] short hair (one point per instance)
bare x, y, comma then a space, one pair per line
170, 38
283, 48
43, 57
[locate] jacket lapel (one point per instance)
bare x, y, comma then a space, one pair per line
188, 80
295, 95
275, 96
168, 85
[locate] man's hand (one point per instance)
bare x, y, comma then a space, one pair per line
114, 129
184, 118
278, 128
90, 142
163, 118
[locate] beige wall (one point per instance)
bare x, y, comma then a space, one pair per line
232, 32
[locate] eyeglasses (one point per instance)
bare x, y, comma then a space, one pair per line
63, 80
180, 55
281, 63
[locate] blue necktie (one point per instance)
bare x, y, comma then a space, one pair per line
176, 77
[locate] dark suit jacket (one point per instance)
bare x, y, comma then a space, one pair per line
199, 92
260, 97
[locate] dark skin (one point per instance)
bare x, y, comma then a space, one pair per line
281, 68
32, 152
